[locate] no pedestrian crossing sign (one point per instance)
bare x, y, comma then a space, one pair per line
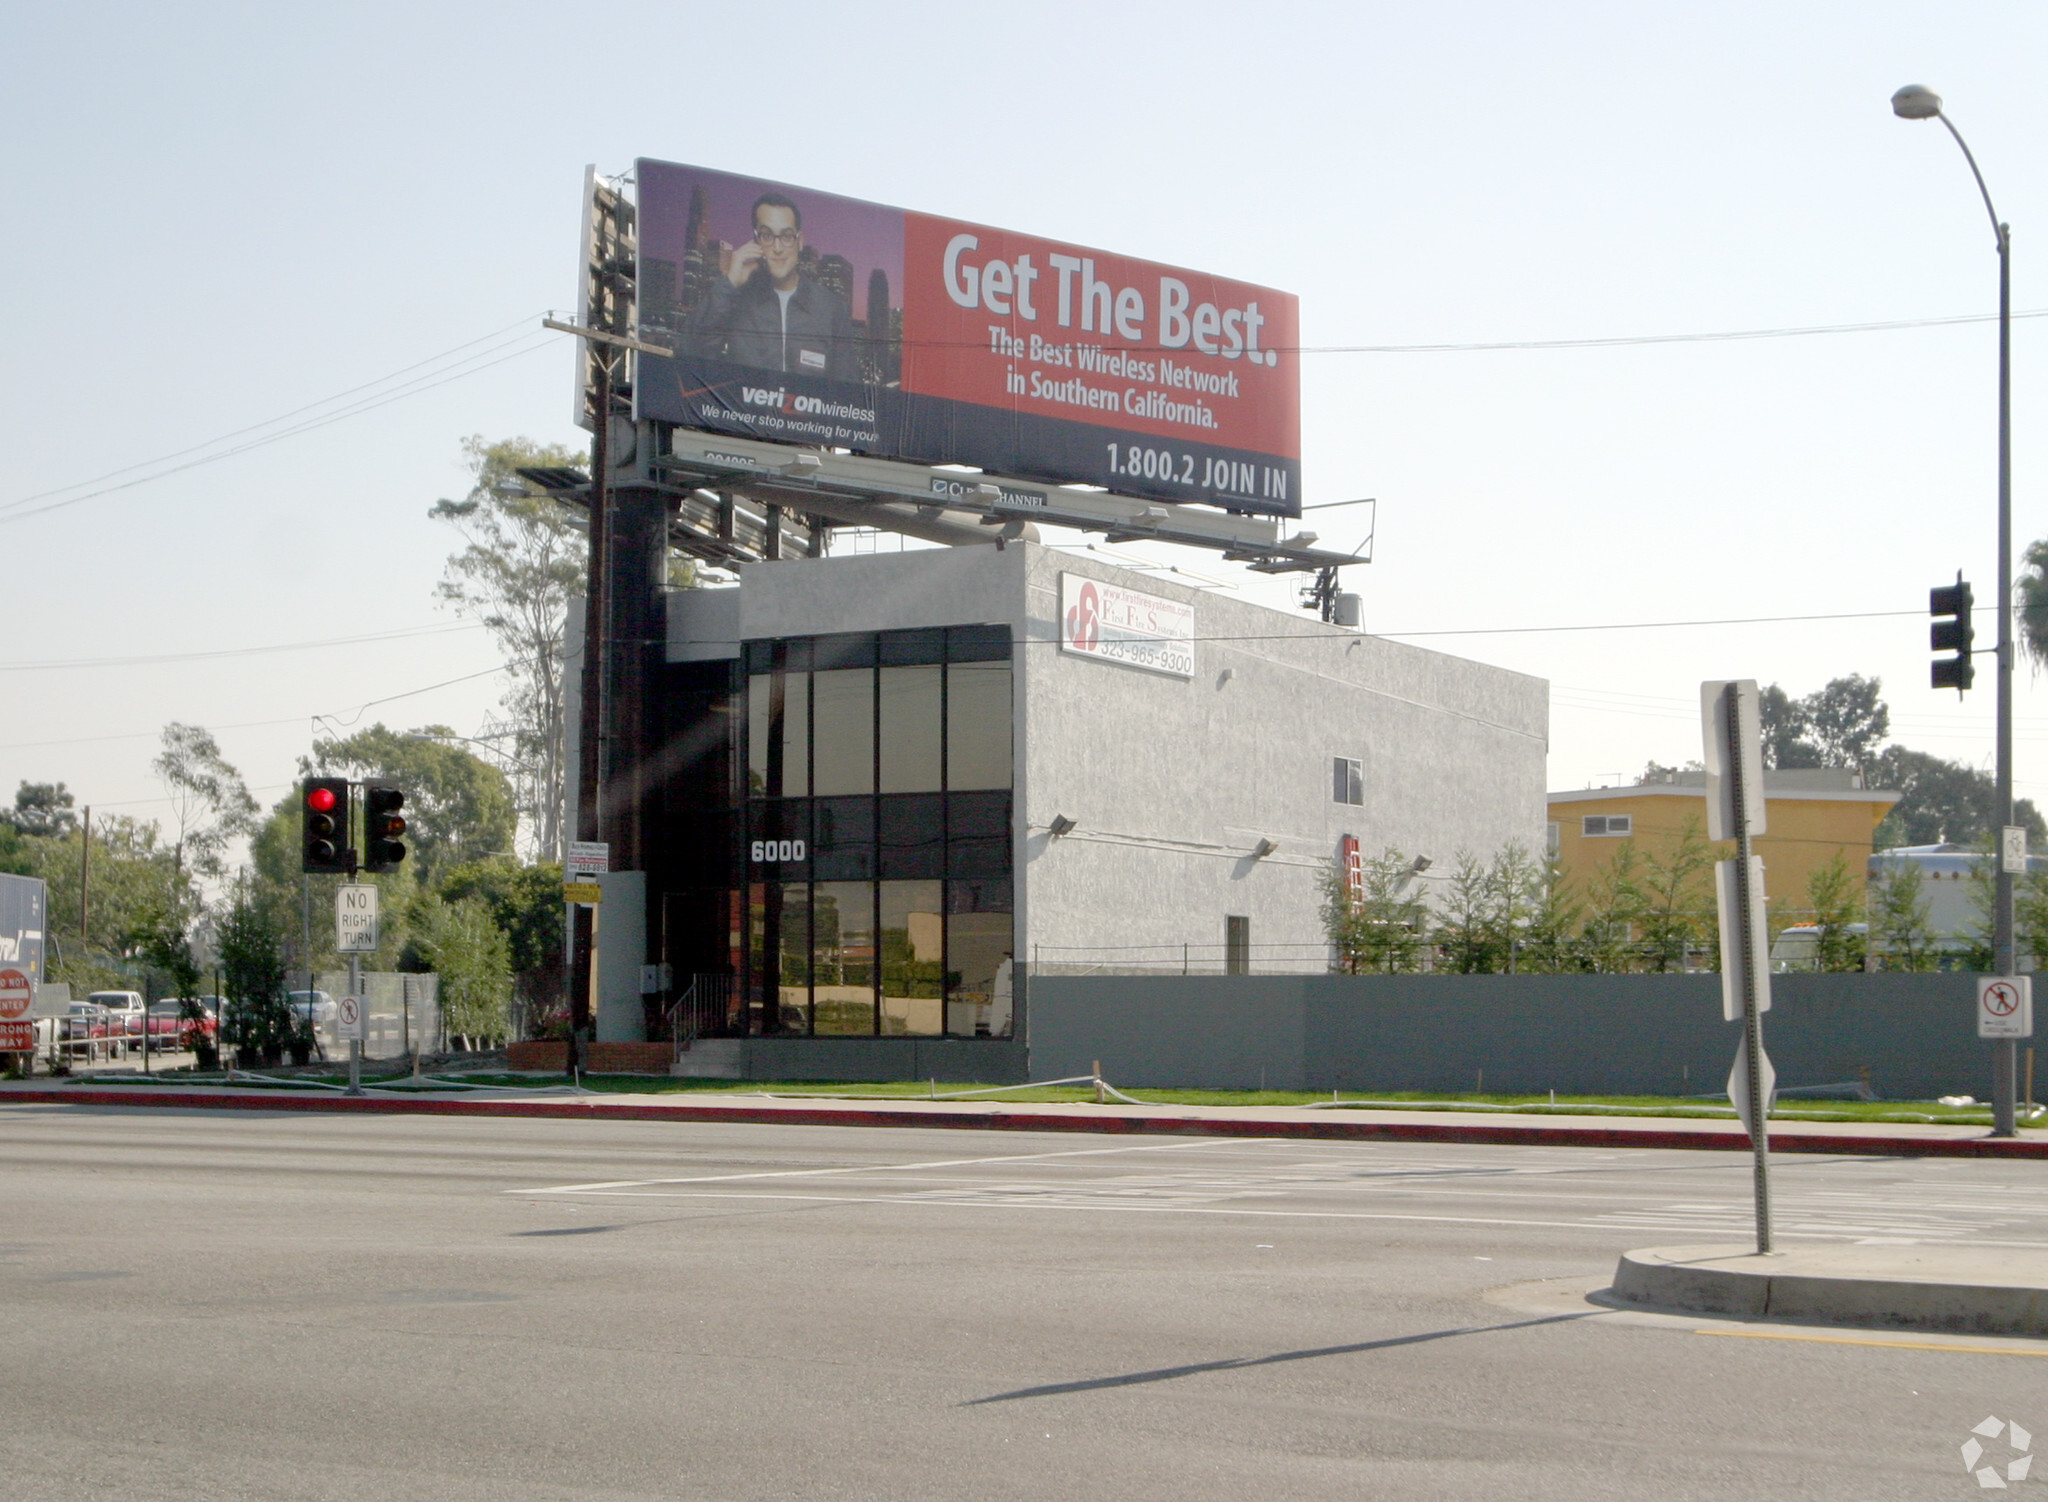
2005, 1006
349, 1019
355, 919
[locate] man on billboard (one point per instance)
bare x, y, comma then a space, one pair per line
766, 310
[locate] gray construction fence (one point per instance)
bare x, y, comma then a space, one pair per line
1911, 1037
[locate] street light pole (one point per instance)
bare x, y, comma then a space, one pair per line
1916, 103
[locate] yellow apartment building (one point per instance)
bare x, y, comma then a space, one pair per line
1810, 816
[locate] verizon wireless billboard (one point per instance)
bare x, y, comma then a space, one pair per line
813, 319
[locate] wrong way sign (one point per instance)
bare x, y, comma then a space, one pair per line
2005, 1006
15, 995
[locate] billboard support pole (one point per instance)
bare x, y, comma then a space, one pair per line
591, 719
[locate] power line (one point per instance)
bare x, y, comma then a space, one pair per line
12, 510
1748, 620
269, 422
296, 646
385, 399
1717, 337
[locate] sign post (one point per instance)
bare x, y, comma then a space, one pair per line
355, 934
586, 860
1733, 736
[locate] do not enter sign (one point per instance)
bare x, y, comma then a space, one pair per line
2005, 1006
15, 994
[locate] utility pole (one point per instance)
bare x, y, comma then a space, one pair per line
85, 882
607, 304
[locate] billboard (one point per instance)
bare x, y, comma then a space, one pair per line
810, 318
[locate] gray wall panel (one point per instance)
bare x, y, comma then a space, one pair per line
1589, 1034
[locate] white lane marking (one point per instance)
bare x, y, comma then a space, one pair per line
1045, 1204
806, 1173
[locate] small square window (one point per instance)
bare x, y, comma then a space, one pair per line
1347, 780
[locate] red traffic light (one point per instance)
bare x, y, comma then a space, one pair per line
320, 800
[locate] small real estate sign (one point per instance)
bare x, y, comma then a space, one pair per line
1112, 624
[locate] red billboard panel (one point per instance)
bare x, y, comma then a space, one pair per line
821, 320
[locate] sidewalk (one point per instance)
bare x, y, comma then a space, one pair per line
1875, 1139
1958, 1289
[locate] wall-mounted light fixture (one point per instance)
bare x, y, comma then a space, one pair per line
1060, 825
1264, 848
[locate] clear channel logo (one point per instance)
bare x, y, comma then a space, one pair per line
1994, 1472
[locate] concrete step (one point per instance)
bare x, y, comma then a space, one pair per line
1900, 1286
712, 1059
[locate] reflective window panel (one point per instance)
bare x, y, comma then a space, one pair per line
913, 835
979, 946
843, 718
910, 729
978, 742
843, 848
843, 952
913, 957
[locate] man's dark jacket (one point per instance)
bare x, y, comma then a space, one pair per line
744, 325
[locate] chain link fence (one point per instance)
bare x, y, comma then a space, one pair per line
404, 1013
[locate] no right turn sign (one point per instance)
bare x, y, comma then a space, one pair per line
2005, 1006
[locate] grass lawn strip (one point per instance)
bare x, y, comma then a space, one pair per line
1912, 1112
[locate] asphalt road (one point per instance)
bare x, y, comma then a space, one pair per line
298, 1306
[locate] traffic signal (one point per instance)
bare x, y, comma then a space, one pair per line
1952, 631
383, 825
323, 809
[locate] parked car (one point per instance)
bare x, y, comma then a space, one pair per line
170, 1028
84, 1030
317, 1007
124, 1011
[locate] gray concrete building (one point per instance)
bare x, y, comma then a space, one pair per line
893, 787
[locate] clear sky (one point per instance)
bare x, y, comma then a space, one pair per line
217, 214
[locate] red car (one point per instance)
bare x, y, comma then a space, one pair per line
169, 1028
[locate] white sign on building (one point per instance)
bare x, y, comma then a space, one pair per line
587, 858
1114, 624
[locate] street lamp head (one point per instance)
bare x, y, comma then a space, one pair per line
1916, 102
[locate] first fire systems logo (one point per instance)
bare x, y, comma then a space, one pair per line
1084, 621
2019, 1444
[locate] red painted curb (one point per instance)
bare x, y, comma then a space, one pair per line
1355, 1130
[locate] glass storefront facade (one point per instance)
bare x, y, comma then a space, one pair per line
878, 834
